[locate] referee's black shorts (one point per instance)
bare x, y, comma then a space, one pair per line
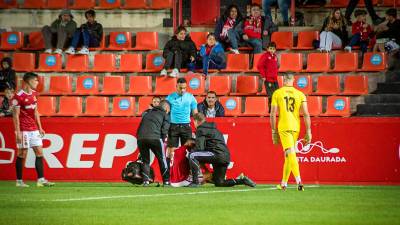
178, 132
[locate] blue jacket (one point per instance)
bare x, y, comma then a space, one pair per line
217, 54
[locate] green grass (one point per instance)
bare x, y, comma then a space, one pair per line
156, 205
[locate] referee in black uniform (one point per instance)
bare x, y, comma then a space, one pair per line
153, 129
211, 148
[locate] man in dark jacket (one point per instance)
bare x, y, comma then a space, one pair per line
211, 148
152, 130
211, 107
7, 74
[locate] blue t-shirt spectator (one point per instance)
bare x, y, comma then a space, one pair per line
181, 107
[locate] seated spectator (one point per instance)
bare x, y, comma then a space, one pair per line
283, 8
212, 55
91, 32
211, 107
370, 7
7, 74
268, 68
229, 28
362, 32
388, 33
60, 32
334, 32
6, 107
179, 52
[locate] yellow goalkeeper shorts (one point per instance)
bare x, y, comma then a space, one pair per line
288, 139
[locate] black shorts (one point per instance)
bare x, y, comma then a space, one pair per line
178, 131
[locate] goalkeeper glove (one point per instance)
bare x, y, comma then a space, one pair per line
275, 138
308, 137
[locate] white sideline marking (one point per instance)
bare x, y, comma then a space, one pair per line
167, 194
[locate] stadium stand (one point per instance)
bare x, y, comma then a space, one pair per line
104, 63
196, 84
96, 106
24, 62
60, 85
47, 105
328, 85
87, 85
140, 85
237, 63
246, 85
130, 62
50, 62
70, 106
123, 106
318, 62
232, 105
256, 106
113, 85
220, 84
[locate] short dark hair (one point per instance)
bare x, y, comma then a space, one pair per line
29, 76
154, 97
210, 34
181, 80
360, 12
199, 117
271, 45
392, 12
255, 5
212, 92
8, 88
179, 29
90, 12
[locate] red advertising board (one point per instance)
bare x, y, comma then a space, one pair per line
96, 149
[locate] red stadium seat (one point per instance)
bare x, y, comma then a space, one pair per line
355, 85
391, 3
70, 106
12, 40
87, 85
120, 41
113, 85
104, 63
283, 39
130, 63
246, 85
232, 105
154, 62
220, 84
314, 105
146, 41
303, 83
165, 85
60, 85
56, 4
109, 4
24, 62
123, 106
83, 4
346, 62
256, 106
46, 105
328, 85
291, 62
199, 38
144, 104
77, 63
8, 4
318, 62
50, 62
337, 106
305, 39
256, 59
161, 4
33, 4
35, 41
196, 84
140, 85
134, 4
237, 63
374, 61
97, 106
344, 3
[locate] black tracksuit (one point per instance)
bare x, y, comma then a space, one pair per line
151, 132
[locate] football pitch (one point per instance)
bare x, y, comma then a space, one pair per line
123, 203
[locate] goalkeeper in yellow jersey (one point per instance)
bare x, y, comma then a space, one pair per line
289, 101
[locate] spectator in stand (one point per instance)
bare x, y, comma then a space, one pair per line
211, 107
388, 33
7, 74
362, 32
268, 68
283, 8
229, 28
212, 55
179, 52
6, 107
60, 32
91, 32
368, 4
334, 32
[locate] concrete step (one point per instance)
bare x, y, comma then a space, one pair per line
382, 98
378, 109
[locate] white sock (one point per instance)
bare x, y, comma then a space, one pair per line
41, 179
298, 180
19, 181
284, 184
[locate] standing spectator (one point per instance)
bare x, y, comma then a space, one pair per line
362, 32
388, 33
229, 28
211, 107
60, 32
6, 107
91, 32
368, 4
268, 68
212, 55
7, 74
283, 8
179, 52
334, 32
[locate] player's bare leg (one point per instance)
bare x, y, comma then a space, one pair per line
41, 182
19, 164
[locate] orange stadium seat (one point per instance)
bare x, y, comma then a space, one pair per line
56, 4
283, 39
199, 38
140, 85
130, 63
8, 4
60, 85
256, 59
374, 61
303, 83
104, 63
232, 105
161, 4
120, 41
146, 41
165, 85
154, 62
237, 63
291, 62
50, 62
318, 62
314, 105
305, 39
70, 106
33, 4
97, 106
355, 85
113, 85
12, 40
77, 63
328, 85
144, 104
391, 3
23, 62
220, 84
346, 62
83, 4
134, 4
46, 105
109, 4
196, 84
246, 85
87, 85
35, 41
337, 106
123, 106
256, 106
